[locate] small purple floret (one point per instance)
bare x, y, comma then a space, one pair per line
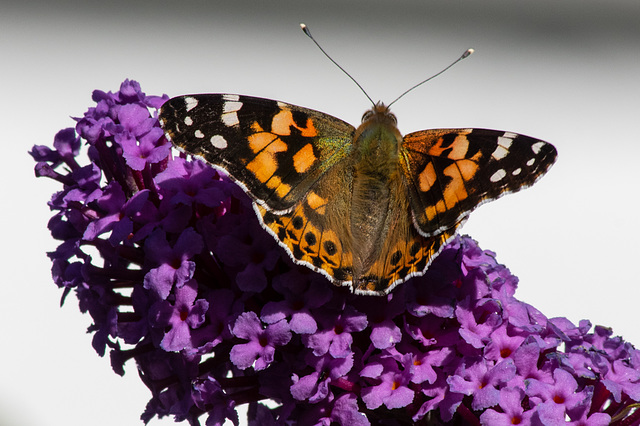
262, 343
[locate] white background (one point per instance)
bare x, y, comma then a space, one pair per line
566, 72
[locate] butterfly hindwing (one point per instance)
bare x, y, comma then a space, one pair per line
313, 232
450, 172
277, 151
405, 253
407, 258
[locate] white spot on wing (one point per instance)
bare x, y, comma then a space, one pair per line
536, 147
498, 176
188, 121
198, 134
230, 119
232, 98
218, 142
500, 152
504, 143
516, 172
231, 107
190, 103
530, 162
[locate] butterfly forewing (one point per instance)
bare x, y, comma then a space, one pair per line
276, 150
450, 172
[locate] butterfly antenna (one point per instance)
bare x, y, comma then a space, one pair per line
466, 54
305, 29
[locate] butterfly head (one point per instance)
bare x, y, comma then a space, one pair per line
378, 134
380, 113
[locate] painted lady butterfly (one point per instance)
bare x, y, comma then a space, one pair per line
365, 206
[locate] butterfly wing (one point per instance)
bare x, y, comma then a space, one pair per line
276, 151
316, 231
450, 172
405, 252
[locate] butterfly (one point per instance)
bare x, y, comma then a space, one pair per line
364, 206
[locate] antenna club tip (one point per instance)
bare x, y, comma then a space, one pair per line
468, 53
304, 28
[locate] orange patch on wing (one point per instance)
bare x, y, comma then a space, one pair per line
256, 128
304, 158
430, 212
264, 165
468, 169
258, 141
283, 121
282, 189
427, 177
458, 147
455, 191
316, 202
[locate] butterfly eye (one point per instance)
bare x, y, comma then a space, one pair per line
367, 115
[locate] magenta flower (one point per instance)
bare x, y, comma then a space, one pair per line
336, 337
167, 256
392, 386
174, 268
501, 345
179, 318
259, 351
560, 396
482, 380
510, 411
314, 387
302, 294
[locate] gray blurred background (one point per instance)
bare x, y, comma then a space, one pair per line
565, 72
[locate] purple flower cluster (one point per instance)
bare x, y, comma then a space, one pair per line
168, 258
